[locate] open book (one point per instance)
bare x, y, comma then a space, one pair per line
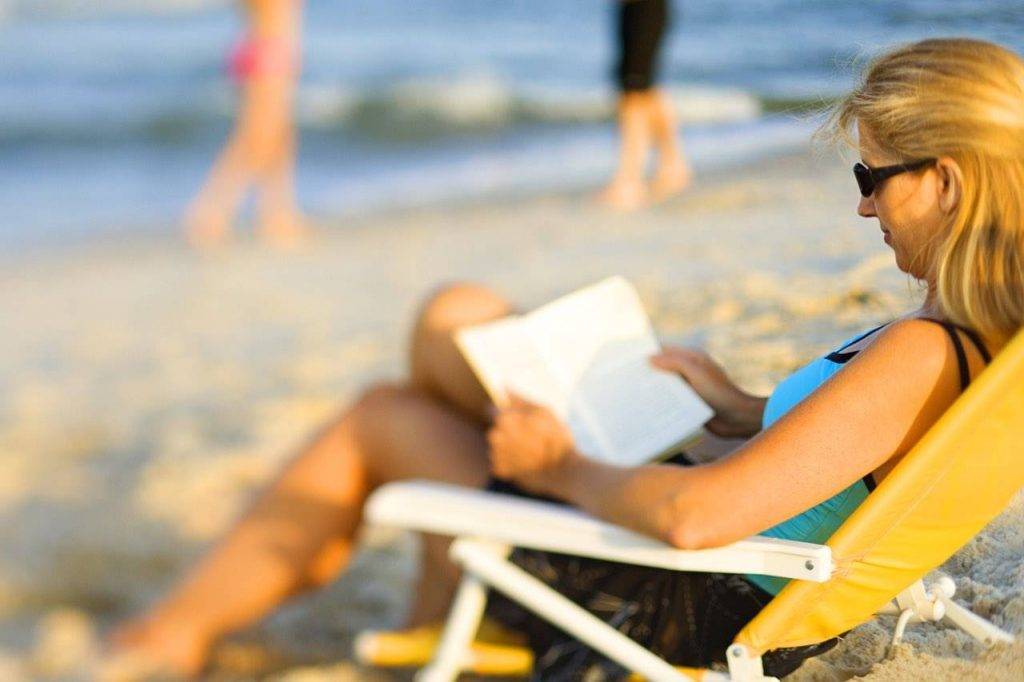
585, 356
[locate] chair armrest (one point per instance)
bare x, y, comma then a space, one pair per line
447, 509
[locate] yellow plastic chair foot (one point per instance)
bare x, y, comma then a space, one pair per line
496, 651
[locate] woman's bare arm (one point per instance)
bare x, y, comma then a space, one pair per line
872, 411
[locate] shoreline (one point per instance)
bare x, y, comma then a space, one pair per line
156, 238
340, 182
150, 391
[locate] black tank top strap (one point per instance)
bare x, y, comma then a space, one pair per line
958, 346
978, 343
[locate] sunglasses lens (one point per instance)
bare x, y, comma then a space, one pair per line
864, 180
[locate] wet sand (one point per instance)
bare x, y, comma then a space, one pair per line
146, 392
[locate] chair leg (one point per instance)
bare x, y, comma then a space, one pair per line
935, 602
973, 624
478, 559
745, 667
459, 630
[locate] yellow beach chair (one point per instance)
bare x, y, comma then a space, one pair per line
954, 481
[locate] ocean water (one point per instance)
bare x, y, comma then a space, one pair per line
111, 110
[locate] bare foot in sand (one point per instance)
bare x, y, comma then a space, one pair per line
206, 229
285, 232
670, 179
624, 195
148, 647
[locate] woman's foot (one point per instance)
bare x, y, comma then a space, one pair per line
149, 647
284, 231
206, 228
624, 195
670, 179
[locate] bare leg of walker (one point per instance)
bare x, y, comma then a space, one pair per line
627, 189
280, 221
299, 533
261, 147
209, 217
672, 174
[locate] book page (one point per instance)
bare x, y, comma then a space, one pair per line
599, 342
586, 357
576, 328
504, 357
642, 412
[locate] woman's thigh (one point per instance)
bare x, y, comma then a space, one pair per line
437, 367
405, 433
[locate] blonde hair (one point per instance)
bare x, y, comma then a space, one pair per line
963, 99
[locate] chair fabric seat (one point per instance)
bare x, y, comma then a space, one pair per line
960, 476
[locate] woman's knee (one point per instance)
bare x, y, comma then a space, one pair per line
378, 403
434, 358
402, 432
454, 305
355, 427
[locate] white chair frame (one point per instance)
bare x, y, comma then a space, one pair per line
488, 525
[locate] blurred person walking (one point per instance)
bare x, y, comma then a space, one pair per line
646, 117
260, 153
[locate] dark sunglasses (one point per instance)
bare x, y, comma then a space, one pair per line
868, 179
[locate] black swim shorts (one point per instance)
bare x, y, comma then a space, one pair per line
642, 23
689, 619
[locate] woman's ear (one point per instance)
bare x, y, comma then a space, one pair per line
951, 182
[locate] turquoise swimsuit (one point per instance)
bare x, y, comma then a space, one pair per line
818, 523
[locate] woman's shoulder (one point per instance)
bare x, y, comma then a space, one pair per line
905, 329
911, 330
921, 347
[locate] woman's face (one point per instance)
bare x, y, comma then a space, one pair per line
908, 209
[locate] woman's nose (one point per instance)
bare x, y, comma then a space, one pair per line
866, 207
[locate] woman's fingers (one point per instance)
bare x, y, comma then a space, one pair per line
526, 442
679, 360
519, 403
665, 362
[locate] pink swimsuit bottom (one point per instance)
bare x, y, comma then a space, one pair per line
255, 55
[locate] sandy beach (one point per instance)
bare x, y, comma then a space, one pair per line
147, 391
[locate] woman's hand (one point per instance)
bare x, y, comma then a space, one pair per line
529, 445
737, 413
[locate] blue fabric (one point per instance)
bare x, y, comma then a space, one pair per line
818, 523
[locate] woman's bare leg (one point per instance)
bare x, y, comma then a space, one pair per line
280, 221
261, 146
672, 174
299, 532
627, 189
436, 365
209, 216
